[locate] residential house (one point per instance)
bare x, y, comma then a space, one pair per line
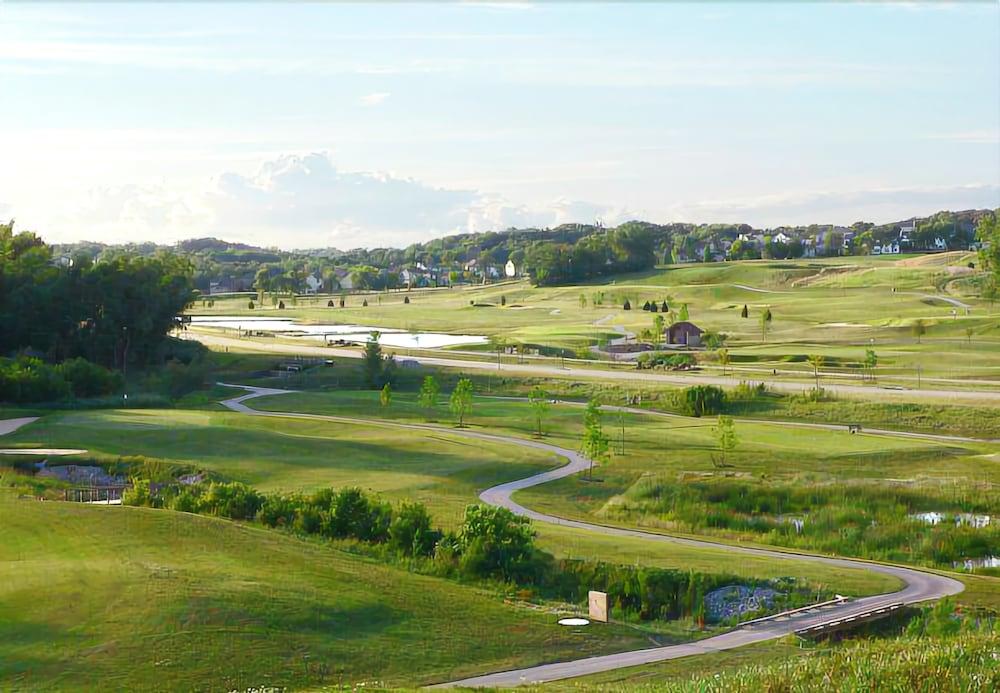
510, 270
313, 284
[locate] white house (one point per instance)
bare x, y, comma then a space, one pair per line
313, 284
887, 248
939, 244
782, 237
510, 270
407, 277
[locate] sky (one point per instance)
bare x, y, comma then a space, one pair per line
340, 125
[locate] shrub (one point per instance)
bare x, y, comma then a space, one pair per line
187, 500
233, 500
702, 400
495, 542
350, 513
140, 494
410, 532
87, 379
28, 379
279, 510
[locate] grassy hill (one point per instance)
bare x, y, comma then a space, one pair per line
127, 598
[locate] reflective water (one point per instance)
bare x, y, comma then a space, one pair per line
348, 333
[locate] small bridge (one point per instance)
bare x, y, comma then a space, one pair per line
95, 494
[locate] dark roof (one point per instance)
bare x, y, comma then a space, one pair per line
687, 326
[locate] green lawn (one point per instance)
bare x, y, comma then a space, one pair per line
287, 454
445, 472
836, 307
128, 598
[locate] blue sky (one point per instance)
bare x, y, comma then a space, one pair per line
357, 125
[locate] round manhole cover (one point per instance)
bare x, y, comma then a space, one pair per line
574, 622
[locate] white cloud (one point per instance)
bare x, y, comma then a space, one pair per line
374, 99
303, 201
306, 201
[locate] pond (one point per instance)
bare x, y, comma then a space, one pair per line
974, 563
358, 334
960, 519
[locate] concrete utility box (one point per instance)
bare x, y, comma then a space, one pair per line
598, 606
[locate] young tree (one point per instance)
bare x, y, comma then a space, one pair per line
461, 400
539, 402
725, 430
281, 305
503, 300
385, 396
745, 313
406, 299
658, 323
626, 305
816, 361
919, 329
428, 396
583, 301
684, 314
723, 355
871, 361
664, 307
498, 343
968, 334
373, 361
250, 305
595, 441
765, 323
364, 303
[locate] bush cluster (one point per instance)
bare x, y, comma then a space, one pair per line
27, 379
701, 400
663, 359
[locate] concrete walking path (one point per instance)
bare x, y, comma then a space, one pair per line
919, 586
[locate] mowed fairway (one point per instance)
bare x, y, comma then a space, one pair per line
102, 598
445, 472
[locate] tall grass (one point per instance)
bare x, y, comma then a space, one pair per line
865, 519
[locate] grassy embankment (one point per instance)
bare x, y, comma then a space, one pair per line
132, 598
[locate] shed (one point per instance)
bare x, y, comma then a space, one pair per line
685, 333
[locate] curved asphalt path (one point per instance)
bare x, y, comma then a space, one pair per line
919, 586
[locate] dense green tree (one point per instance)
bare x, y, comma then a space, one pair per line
988, 235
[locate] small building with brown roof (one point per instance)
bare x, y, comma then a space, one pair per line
685, 333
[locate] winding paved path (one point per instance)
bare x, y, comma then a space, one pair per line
919, 586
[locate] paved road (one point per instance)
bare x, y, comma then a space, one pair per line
918, 585
617, 375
